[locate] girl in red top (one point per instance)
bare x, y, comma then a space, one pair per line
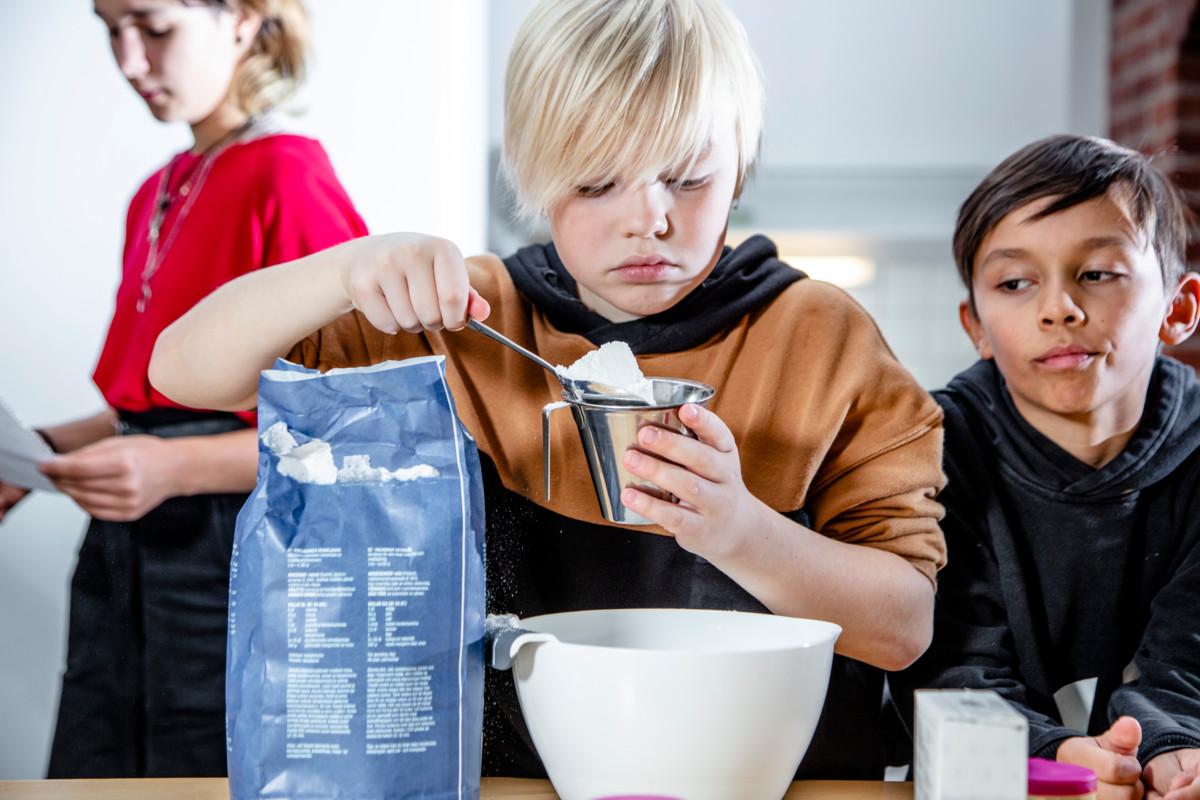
143, 692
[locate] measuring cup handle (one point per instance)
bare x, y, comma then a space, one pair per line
547, 410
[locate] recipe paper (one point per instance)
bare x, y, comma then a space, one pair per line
21, 450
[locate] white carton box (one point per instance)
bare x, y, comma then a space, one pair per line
970, 745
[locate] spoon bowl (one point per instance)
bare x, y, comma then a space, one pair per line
575, 390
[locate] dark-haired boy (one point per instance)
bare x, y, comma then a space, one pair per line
1073, 459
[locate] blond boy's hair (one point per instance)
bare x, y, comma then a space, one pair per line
601, 89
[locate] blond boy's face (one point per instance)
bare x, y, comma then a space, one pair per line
637, 248
1071, 307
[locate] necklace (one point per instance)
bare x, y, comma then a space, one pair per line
189, 190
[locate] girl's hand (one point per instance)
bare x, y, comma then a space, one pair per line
715, 508
120, 478
9, 496
411, 282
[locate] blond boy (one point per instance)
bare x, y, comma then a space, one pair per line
809, 488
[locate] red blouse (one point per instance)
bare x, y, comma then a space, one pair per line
264, 201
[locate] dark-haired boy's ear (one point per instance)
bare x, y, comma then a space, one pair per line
974, 329
1184, 311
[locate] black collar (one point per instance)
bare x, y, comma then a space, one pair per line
743, 280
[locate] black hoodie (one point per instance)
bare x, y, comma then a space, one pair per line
742, 280
541, 562
833, 434
1059, 572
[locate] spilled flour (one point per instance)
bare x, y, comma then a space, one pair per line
312, 462
615, 368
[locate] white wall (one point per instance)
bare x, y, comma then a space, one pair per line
932, 83
868, 84
74, 144
880, 118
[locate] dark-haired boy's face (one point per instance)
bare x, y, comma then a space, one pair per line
1070, 306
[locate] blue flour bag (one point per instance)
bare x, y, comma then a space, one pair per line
356, 593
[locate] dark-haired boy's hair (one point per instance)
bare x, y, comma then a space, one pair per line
1075, 169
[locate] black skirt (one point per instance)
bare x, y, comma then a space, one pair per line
143, 694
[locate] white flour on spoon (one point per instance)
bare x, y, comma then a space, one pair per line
614, 366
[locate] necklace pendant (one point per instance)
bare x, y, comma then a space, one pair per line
183, 190
153, 232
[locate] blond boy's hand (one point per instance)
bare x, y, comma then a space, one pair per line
1112, 756
1173, 776
704, 473
411, 282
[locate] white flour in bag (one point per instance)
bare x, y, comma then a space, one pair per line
358, 469
279, 439
613, 365
312, 462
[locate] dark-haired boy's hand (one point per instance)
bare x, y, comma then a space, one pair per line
1173, 776
705, 473
1112, 756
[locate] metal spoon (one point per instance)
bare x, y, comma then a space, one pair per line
496, 335
576, 391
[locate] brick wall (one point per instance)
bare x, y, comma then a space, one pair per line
1154, 98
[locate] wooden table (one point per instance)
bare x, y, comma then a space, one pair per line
510, 788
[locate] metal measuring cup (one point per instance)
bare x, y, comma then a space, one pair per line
608, 426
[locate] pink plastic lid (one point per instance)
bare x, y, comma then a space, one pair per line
1055, 779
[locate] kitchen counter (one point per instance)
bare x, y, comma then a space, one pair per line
508, 788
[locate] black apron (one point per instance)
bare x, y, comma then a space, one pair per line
143, 694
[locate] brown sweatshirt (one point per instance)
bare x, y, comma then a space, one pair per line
832, 432
824, 416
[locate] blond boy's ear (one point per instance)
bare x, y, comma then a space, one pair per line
970, 324
1184, 311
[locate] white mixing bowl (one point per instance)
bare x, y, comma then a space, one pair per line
702, 705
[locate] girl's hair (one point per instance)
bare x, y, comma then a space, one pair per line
597, 89
274, 66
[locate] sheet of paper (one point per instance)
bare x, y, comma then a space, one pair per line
21, 450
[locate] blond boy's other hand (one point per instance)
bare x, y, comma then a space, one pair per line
1112, 756
411, 282
704, 473
1173, 776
